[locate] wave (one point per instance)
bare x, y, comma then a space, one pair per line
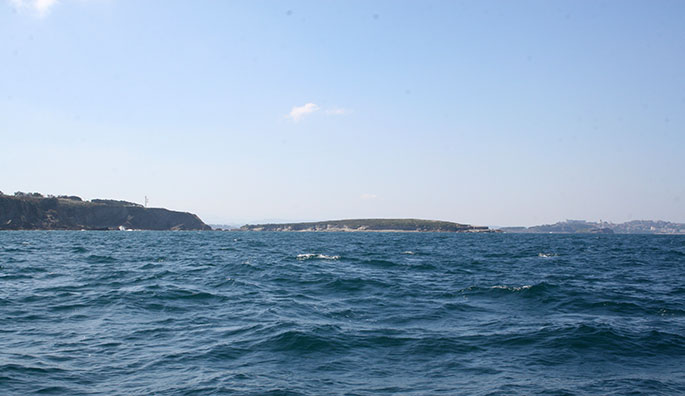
512, 288
379, 263
15, 260
354, 284
588, 303
323, 340
557, 343
97, 259
531, 290
15, 277
315, 256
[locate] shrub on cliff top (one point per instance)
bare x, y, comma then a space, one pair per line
71, 197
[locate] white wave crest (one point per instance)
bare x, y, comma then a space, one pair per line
408, 252
308, 256
512, 288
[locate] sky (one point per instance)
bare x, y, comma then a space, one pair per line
482, 112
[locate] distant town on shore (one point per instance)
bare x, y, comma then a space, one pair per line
602, 227
35, 211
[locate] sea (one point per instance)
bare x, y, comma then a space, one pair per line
260, 313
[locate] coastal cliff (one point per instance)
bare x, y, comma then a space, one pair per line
34, 212
369, 225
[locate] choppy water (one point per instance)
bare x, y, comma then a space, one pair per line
193, 313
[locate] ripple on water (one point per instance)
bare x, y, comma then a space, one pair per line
340, 313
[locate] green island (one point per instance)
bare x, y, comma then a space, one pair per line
369, 225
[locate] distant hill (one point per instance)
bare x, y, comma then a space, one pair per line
370, 225
35, 212
582, 226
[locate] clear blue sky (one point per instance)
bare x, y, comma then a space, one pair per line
494, 113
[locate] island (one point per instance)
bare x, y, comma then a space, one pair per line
369, 225
33, 211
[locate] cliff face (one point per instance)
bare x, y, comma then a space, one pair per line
370, 225
31, 213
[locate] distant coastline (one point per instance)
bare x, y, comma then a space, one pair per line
34, 211
658, 227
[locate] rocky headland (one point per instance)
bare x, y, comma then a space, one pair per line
35, 212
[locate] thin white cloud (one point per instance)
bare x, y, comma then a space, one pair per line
39, 7
367, 196
298, 112
336, 111
43, 6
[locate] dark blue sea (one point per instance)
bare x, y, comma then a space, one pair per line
212, 313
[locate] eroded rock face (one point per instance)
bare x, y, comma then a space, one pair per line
32, 213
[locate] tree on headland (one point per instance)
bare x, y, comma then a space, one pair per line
70, 197
23, 194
